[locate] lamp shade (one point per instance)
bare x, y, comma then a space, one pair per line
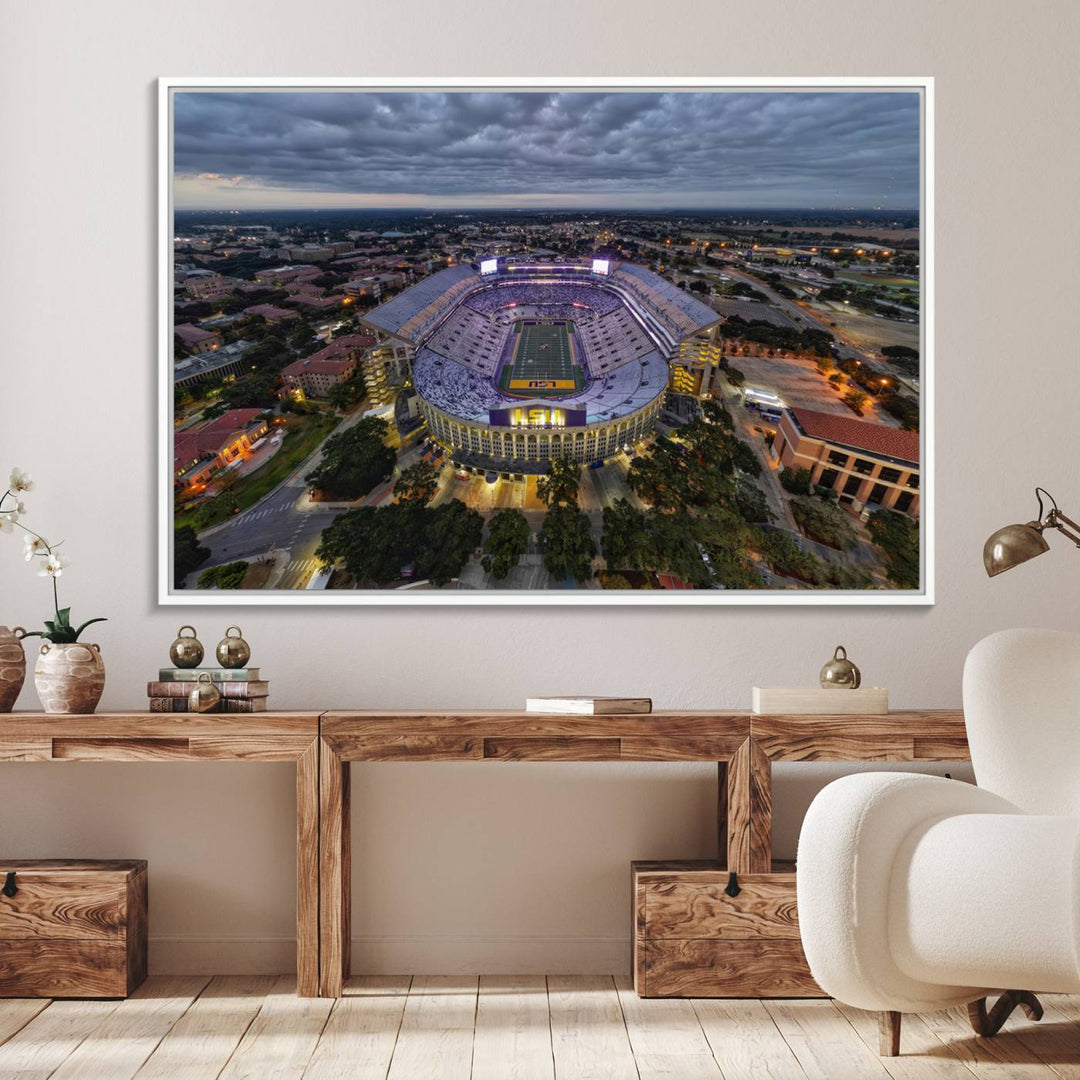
1012, 545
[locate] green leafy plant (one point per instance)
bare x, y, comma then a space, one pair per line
51, 563
229, 576
60, 631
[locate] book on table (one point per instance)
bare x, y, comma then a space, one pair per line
258, 689
229, 705
217, 674
588, 706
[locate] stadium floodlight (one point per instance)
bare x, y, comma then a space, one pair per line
601, 266
489, 266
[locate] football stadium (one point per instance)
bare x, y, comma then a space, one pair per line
517, 360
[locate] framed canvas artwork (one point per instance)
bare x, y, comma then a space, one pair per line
546, 341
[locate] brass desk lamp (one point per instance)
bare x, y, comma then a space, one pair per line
1014, 544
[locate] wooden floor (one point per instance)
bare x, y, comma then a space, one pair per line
522, 1027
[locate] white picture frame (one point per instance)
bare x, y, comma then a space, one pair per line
171, 596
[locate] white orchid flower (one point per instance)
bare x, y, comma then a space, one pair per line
20, 481
34, 545
53, 566
7, 521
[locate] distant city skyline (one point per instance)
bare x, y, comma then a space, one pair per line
603, 151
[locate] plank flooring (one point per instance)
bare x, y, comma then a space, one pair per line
522, 1027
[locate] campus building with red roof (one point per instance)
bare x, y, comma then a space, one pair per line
315, 375
270, 312
865, 464
198, 453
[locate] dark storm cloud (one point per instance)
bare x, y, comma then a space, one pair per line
721, 148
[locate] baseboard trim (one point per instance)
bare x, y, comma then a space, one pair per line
221, 956
393, 954
445, 954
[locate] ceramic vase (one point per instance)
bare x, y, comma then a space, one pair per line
12, 666
69, 678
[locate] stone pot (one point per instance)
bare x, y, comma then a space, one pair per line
69, 678
12, 666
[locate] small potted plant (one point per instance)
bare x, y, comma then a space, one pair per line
69, 674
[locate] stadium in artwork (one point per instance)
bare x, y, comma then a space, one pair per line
519, 361
456, 343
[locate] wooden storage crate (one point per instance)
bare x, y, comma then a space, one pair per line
72, 928
692, 939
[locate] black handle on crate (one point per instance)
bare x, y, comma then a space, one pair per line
9, 884
732, 888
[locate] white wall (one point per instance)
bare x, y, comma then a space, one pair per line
494, 867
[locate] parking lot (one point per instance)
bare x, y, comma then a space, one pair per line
798, 383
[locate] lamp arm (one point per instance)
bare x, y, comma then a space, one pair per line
1057, 520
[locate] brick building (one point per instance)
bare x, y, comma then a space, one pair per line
316, 375
866, 464
196, 340
199, 454
270, 313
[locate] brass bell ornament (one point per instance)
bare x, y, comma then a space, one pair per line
186, 651
233, 652
840, 673
204, 696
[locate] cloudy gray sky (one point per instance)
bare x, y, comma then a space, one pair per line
571, 150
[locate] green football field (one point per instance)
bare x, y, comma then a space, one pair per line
543, 360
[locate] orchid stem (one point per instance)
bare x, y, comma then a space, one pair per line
45, 544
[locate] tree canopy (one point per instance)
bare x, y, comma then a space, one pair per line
188, 553
898, 537
811, 340
824, 521
417, 483
699, 469
507, 541
354, 461
256, 390
376, 544
797, 481
566, 539
229, 576
560, 486
701, 495
783, 556
349, 392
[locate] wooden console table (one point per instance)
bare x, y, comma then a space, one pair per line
904, 735
323, 745
743, 745
495, 736
260, 737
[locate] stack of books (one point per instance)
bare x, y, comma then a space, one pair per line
241, 689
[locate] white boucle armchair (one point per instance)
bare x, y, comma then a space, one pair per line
918, 893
